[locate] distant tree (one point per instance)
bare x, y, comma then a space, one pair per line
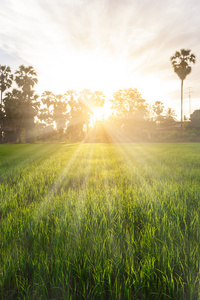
158, 109
26, 78
14, 115
170, 113
127, 101
195, 119
74, 126
170, 117
46, 108
48, 98
80, 111
21, 105
130, 110
86, 105
6, 79
2, 116
60, 114
71, 96
181, 64
45, 128
98, 99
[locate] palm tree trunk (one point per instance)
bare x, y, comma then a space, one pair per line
0, 124
181, 106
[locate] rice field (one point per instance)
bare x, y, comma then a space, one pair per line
100, 221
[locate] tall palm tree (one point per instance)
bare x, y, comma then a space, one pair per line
6, 79
26, 78
181, 64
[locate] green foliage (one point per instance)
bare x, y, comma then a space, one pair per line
80, 112
6, 78
195, 119
26, 78
20, 106
67, 117
127, 101
131, 112
98, 99
94, 221
158, 108
181, 62
60, 114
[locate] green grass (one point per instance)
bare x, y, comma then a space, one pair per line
100, 221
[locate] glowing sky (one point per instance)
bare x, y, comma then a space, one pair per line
104, 45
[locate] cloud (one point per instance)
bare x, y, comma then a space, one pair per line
137, 37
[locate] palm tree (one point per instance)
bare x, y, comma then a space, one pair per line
181, 64
6, 79
26, 78
170, 113
158, 109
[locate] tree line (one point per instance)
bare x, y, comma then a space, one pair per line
26, 117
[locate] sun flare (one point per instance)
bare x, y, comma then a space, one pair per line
100, 113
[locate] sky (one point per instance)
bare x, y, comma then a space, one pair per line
104, 45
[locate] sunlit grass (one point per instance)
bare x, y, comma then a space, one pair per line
100, 221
